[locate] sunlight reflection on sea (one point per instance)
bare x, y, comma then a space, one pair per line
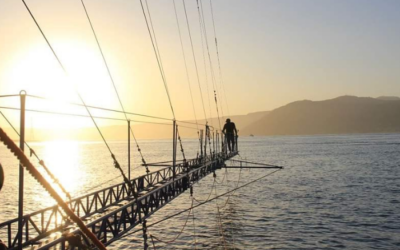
336, 192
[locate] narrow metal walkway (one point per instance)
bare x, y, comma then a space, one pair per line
112, 211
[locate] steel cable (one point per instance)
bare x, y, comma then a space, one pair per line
184, 60
158, 59
113, 83
194, 59
203, 203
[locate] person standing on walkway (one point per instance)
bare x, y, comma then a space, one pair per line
230, 133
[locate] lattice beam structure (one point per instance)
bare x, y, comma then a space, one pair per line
155, 190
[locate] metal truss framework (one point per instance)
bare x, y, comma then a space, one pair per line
155, 190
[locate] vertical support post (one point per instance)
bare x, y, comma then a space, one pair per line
216, 141
213, 138
129, 149
21, 170
205, 142
201, 143
174, 150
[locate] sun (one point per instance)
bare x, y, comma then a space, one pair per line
36, 70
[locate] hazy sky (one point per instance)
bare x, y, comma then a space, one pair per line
272, 52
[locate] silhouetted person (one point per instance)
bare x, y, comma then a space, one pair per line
230, 133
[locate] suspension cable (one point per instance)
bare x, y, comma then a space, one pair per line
184, 60
158, 59
113, 83
100, 108
202, 203
116, 164
180, 231
202, 20
219, 218
41, 162
194, 59
219, 63
86, 116
205, 67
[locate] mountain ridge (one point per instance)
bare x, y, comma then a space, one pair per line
341, 115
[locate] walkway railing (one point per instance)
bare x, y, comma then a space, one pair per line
42, 223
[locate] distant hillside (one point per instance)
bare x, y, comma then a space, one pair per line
346, 114
241, 121
389, 98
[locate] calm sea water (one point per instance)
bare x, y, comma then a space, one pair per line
336, 192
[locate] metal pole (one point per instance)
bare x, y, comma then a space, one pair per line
201, 143
217, 142
205, 142
213, 140
174, 150
21, 170
129, 149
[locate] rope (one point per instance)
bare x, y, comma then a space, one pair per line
203, 29
184, 60
100, 108
194, 59
219, 63
116, 164
208, 198
65, 72
96, 117
203, 203
194, 226
219, 220
153, 42
237, 184
180, 232
204, 63
41, 162
113, 83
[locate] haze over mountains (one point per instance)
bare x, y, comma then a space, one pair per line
341, 115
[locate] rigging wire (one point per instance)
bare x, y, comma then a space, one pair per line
41, 162
180, 231
202, 20
184, 60
194, 59
96, 117
205, 67
117, 111
201, 204
158, 59
219, 219
100, 108
217, 50
116, 164
213, 78
86, 116
113, 83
